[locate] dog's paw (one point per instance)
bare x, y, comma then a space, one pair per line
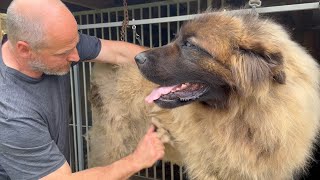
163, 134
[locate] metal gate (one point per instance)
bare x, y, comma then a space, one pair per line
106, 24
156, 24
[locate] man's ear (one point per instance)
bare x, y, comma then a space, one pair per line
23, 49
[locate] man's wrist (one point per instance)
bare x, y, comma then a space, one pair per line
132, 160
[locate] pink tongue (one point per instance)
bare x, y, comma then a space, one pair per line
156, 93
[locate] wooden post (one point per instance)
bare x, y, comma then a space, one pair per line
209, 3
2, 24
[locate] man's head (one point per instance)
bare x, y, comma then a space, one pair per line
44, 33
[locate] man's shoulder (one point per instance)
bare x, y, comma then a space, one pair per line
15, 99
7, 88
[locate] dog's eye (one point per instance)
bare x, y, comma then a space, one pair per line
188, 44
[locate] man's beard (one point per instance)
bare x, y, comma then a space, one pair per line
38, 65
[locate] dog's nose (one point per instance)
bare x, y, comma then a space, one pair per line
140, 58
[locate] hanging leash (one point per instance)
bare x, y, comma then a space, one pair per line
125, 21
125, 24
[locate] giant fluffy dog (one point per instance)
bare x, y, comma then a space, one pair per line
233, 94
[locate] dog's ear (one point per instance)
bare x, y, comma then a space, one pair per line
257, 43
267, 54
255, 66
261, 58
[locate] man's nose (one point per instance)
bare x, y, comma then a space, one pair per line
74, 56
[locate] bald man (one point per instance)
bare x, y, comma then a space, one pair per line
43, 42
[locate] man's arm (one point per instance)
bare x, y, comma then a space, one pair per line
118, 52
149, 150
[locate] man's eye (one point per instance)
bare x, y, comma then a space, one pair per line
63, 54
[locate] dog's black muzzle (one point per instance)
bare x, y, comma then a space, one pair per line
141, 58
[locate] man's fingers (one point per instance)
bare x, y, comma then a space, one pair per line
156, 122
151, 129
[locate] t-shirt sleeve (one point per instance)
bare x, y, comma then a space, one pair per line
27, 150
88, 47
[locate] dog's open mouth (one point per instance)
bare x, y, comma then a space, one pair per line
182, 92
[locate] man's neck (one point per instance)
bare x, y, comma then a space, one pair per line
11, 60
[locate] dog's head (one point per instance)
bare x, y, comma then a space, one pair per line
214, 56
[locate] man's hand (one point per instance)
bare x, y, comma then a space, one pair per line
163, 134
149, 150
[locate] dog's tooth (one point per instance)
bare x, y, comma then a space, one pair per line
184, 99
183, 86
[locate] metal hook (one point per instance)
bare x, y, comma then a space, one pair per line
254, 4
136, 35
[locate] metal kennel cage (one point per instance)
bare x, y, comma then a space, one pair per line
106, 24
152, 25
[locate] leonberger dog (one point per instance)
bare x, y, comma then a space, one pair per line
233, 95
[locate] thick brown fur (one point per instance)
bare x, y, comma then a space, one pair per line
264, 127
